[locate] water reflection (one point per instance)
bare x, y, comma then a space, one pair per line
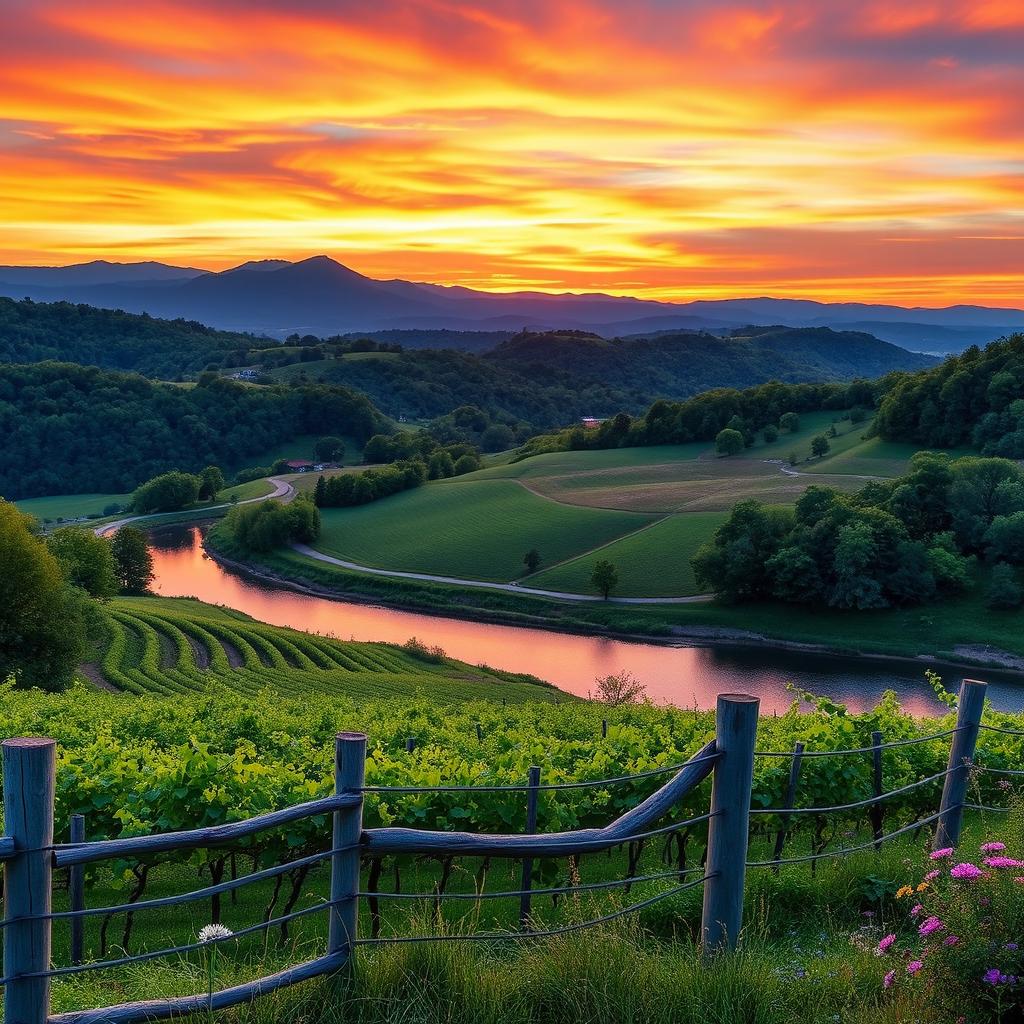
684, 676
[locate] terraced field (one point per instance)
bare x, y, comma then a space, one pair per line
169, 646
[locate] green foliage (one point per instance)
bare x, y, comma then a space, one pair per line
329, 449
211, 483
169, 492
133, 559
349, 489
266, 525
770, 434
532, 560
790, 422
75, 429
1004, 589
820, 446
42, 620
86, 560
888, 544
729, 442
973, 398
604, 578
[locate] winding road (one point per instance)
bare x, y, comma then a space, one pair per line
282, 489
512, 588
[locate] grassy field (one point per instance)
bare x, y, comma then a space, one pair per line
470, 529
654, 562
70, 506
169, 646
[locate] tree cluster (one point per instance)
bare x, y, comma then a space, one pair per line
266, 525
897, 542
72, 429
975, 398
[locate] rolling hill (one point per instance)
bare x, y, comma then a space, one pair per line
321, 296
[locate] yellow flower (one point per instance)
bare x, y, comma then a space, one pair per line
904, 890
922, 887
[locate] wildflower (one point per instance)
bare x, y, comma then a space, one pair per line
932, 875
885, 944
904, 890
916, 909
992, 847
1019, 879
965, 871
1002, 862
1012, 946
1004, 784
914, 966
946, 851
889, 979
212, 932
929, 925
921, 887
951, 940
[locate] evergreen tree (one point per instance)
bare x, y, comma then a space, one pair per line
134, 561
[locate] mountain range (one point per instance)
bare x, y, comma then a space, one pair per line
323, 297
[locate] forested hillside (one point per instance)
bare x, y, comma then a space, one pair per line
975, 398
72, 429
32, 332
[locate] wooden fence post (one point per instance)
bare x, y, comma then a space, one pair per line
525, 900
28, 774
728, 829
349, 775
961, 755
794, 781
76, 888
604, 728
876, 811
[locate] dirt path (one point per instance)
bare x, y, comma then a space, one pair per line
512, 588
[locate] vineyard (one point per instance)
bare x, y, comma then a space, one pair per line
170, 647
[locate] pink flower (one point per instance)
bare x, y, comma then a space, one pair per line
914, 966
965, 871
1019, 879
951, 940
940, 854
885, 944
916, 909
1002, 862
889, 979
932, 875
992, 847
929, 925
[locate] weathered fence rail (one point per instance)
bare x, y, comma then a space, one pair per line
30, 856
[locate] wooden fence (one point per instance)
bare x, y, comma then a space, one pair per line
30, 856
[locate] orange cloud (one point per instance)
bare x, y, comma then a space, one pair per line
672, 150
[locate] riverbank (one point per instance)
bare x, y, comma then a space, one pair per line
927, 636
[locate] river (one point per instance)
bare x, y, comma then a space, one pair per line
673, 674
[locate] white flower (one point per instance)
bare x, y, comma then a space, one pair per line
212, 932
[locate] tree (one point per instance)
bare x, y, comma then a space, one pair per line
441, 465
729, 442
1004, 591
790, 422
211, 483
133, 560
467, 463
770, 434
329, 449
604, 578
820, 446
42, 620
85, 560
1004, 539
531, 560
168, 492
320, 492
616, 690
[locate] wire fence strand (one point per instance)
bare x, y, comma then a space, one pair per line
523, 788
546, 933
865, 750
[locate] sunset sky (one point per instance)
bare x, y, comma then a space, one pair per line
667, 148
